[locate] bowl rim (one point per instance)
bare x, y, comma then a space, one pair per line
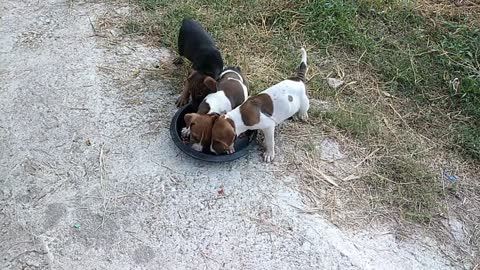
203, 156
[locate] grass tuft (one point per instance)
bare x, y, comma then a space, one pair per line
408, 187
358, 122
468, 138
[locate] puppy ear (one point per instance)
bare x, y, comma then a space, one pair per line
214, 117
210, 83
189, 118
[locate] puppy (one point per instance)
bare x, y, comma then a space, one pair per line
197, 86
232, 91
263, 111
197, 45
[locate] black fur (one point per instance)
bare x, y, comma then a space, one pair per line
300, 76
198, 46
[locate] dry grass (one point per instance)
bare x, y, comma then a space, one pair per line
456, 9
395, 122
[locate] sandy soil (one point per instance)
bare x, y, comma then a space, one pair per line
89, 178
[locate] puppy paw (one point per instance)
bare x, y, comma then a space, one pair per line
268, 156
197, 147
303, 117
185, 132
181, 101
231, 150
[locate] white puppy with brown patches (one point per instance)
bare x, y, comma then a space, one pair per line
264, 111
231, 92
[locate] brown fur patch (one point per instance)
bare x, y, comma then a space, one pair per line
195, 85
223, 134
200, 127
251, 109
233, 90
204, 108
210, 83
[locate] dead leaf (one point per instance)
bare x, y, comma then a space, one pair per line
221, 192
334, 83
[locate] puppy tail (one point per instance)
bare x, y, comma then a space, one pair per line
302, 68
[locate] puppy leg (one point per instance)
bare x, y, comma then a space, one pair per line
184, 96
231, 150
269, 154
304, 106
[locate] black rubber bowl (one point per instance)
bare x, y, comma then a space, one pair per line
243, 144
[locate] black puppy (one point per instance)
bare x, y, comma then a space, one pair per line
198, 46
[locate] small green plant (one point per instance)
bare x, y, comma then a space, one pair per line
468, 137
408, 187
358, 122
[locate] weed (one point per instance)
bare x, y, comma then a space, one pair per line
408, 187
468, 137
469, 97
358, 122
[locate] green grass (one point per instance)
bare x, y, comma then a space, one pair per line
415, 58
358, 121
411, 189
153, 4
468, 138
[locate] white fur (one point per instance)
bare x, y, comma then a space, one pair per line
231, 71
197, 147
304, 56
186, 132
282, 107
282, 110
219, 102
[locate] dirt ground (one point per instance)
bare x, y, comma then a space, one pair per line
89, 178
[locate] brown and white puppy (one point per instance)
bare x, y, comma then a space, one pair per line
231, 92
263, 111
